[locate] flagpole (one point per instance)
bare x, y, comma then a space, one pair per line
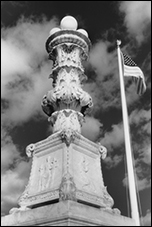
131, 177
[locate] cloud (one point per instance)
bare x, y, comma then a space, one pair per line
114, 138
113, 161
24, 96
106, 82
91, 128
15, 171
141, 183
146, 220
13, 184
137, 18
145, 155
9, 151
138, 116
141, 122
143, 167
101, 60
141, 119
25, 68
14, 61
142, 163
140, 128
147, 127
9, 154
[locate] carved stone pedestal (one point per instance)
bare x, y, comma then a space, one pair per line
65, 166
66, 213
65, 186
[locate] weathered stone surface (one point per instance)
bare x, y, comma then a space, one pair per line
63, 170
66, 213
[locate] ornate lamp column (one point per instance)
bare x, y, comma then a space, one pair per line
66, 165
67, 102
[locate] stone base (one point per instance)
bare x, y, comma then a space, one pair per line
66, 213
65, 166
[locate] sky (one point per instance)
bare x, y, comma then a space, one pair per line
25, 27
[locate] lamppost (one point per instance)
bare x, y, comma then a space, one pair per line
66, 104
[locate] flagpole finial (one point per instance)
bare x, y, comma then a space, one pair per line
118, 42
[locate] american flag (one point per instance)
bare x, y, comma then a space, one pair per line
131, 69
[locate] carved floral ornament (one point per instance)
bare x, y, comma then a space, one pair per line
102, 151
30, 149
66, 119
67, 55
67, 91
